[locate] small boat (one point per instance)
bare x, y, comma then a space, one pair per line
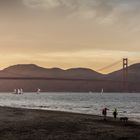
15, 91
38, 90
102, 91
18, 91
21, 91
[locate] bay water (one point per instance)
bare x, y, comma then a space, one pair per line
127, 104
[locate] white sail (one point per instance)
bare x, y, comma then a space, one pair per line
15, 91
38, 90
18, 91
21, 91
102, 91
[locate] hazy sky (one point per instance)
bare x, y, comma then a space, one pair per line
69, 33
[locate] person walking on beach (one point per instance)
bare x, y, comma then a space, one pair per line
104, 113
115, 113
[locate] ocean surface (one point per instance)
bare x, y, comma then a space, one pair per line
127, 104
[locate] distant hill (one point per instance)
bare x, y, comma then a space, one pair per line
36, 71
133, 78
133, 73
110, 82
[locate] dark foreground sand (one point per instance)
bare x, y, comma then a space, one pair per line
24, 124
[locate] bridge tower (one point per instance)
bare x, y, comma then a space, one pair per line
125, 74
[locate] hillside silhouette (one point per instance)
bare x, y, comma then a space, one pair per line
71, 80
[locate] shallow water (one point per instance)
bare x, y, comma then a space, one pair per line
127, 104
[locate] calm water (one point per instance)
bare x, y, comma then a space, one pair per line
128, 104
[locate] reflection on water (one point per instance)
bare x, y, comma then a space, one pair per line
128, 104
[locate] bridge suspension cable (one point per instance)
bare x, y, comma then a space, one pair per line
101, 69
110, 66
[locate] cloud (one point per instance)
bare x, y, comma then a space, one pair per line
70, 4
104, 11
42, 3
106, 23
101, 11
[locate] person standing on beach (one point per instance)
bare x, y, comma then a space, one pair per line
115, 113
104, 113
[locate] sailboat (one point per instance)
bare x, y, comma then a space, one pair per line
18, 91
38, 90
102, 91
15, 91
21, 91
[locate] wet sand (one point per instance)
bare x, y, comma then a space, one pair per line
27, 124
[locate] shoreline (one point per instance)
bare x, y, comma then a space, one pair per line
67, 111
35, 124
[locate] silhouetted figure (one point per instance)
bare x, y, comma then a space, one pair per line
104, 113
115, 113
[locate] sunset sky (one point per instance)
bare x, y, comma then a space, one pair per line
69, 33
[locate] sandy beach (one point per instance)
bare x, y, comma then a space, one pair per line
27, 124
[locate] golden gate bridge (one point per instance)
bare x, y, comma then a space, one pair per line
27, 77
124, 80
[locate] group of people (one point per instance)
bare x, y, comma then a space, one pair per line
104, 113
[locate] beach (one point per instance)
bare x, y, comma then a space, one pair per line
29, 124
